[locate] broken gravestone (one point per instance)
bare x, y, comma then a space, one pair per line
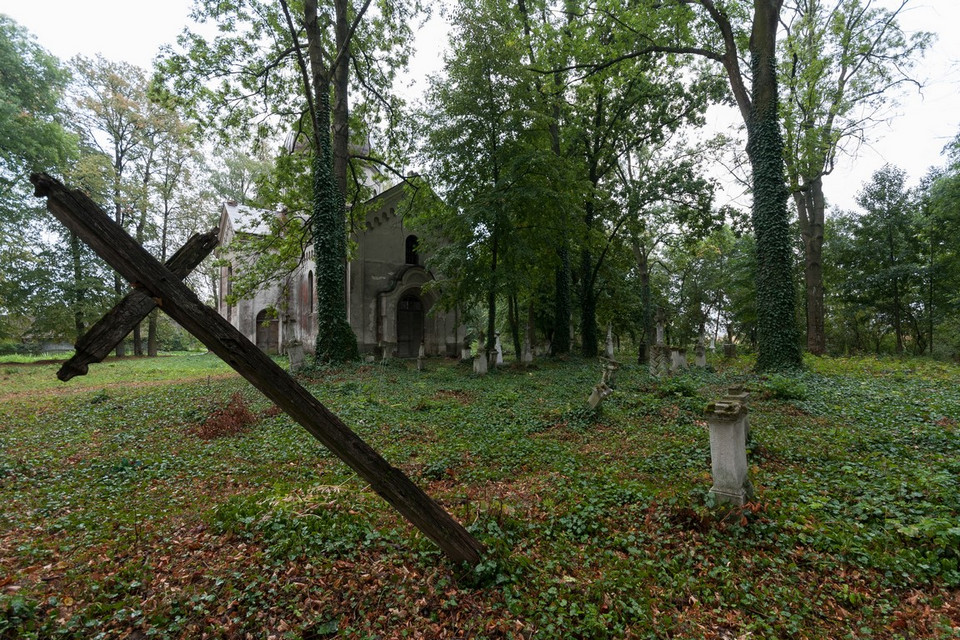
607, 384
480, 362
295, 354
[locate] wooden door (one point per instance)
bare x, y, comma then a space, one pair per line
409, 326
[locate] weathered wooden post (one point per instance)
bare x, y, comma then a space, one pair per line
82, 216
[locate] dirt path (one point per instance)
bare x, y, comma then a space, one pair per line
69, 389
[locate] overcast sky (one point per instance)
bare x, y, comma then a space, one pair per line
134, 30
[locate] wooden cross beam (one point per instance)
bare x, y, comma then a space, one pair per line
82, 216
117, 324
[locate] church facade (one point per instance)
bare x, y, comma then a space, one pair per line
388, 307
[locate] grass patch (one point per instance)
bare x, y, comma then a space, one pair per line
119, 521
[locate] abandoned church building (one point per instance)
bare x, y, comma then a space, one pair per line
387, 306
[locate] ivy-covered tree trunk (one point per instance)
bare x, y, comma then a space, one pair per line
777, 341
336, 341
561, 309
810, 212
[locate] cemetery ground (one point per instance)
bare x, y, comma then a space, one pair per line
165, 498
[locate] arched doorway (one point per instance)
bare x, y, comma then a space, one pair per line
409, 326
268, 331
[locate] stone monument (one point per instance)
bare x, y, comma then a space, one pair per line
295, 354
728, 452
700, 355
659, 352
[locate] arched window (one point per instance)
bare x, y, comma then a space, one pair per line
412, 257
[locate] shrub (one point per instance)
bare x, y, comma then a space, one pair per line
228, 420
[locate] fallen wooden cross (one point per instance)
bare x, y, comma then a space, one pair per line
107, 333
82, 216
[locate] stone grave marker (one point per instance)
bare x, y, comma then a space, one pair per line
700, 355
295, 355
728, 452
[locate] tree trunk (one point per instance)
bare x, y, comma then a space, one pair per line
777, 343
588, 307
152, 348
643, 267
336, 341
341, 100
79, 289
897, 317
588, 300
492, 295
810, 213
560, 345
514, 317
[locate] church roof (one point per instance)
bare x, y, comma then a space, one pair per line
246, 219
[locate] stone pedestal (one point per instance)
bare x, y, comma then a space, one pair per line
659, 360
678, 360
700, 359
739, 394
728, 452
465, 354
295, 354
387, 350
480, 364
